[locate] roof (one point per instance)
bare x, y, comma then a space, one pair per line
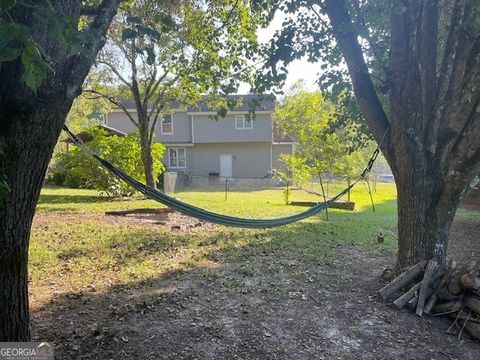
255, 102
279, 136
247, 102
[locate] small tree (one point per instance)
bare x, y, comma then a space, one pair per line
123, 152
324, 144
177, 51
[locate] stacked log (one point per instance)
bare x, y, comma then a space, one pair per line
453, 291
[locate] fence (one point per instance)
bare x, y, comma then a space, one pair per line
175, 182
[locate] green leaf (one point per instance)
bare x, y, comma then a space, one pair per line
6, 4
34, 67
9, 54
134, 20
168, 23
78, 41
148, 31
12, 31
150, 55
129, 34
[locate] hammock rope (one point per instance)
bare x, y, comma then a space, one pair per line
210, 216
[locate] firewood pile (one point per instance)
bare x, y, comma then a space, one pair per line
427, 288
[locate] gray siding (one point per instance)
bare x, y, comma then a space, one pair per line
250, 160
180, 120
207, 130
182, 129
277, 150
121, 122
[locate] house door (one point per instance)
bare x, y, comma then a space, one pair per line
226, 165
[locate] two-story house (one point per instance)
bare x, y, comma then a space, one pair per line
234, 146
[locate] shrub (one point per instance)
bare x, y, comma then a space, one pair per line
83, 171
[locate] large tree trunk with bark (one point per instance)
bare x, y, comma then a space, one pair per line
146, 147
30, 144
30, 123
424, 220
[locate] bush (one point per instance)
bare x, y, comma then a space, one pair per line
83, 171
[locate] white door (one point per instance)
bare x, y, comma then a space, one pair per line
226, 165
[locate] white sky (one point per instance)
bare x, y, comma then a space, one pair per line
298, 69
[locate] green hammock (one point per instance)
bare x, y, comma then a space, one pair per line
209, 216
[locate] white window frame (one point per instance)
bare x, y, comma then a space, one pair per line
169, 157
244, 122
161, 125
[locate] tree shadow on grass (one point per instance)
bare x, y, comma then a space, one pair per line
69, 199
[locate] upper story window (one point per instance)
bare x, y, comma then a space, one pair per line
177, 158
99, 117
243, 122
167, 124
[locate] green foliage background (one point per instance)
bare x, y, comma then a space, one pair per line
80, 170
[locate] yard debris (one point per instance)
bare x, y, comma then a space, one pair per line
454, 292
162, 217
160, 210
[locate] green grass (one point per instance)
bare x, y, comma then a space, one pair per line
64, 200
468, 214
71, 241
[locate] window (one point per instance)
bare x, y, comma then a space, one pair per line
242, 122
167, 125
177, 158
99, 117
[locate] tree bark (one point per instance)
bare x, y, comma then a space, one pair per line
30, 146
424, 220
30, 124
146, 150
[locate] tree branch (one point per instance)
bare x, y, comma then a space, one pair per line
362, 23
115, 102
363, 87
89, 10
79, 65
427, 60
116, 72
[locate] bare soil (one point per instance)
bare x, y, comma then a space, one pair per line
265, 306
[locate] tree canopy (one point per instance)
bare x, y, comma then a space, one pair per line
157, 53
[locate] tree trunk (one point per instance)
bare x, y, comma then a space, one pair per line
323, 193
147, 159
30, 123
29, 147
426, 208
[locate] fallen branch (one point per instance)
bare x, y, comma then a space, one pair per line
422, 296
403, 279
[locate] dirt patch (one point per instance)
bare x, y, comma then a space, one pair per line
174, 221
464, 240
472, 201
266, 306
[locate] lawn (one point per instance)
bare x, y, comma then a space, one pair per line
72, 234
112, 287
